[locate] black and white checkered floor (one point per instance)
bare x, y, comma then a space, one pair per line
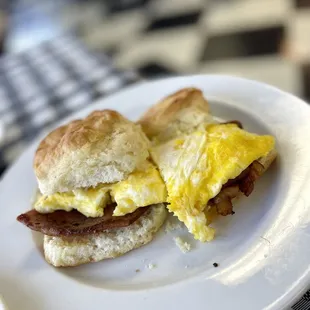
266, 40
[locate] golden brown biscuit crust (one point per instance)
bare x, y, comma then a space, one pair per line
173, 110
103, 147
75, 135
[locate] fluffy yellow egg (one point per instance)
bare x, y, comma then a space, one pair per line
140, 189
195, 170
90, 202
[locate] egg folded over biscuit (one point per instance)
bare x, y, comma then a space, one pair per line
106, 183
204, 164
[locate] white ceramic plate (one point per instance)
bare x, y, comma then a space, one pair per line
263, 250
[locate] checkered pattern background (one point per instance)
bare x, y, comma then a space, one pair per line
266, 40
47, 83
303, 303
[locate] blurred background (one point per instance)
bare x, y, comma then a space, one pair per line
266, 40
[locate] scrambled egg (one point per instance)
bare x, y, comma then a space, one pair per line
141, 188
196, 166
89, 202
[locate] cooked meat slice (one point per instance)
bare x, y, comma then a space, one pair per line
246, 184
242, 183
224, 207
62, 223
222, 201
237, 180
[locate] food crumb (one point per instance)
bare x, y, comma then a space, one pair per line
151, 266
215, 264
182, 245
171, 226
137, 270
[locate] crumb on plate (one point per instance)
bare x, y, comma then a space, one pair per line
151, 266
182, 245
170, 226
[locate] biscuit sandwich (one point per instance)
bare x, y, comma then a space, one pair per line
100, 195
204, 164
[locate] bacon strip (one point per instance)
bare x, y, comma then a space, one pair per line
243, 183
246, 184
223, 202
